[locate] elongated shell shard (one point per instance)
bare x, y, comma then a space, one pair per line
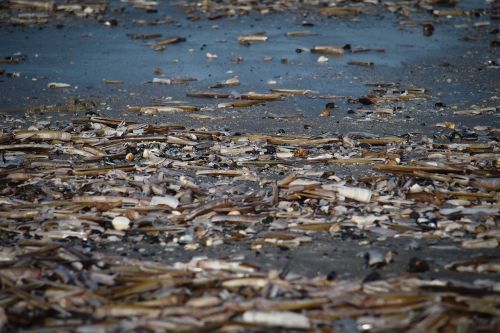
167, 200
55, 85
43, 135
355, 193
277, 319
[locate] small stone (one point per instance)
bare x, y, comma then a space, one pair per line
332, 275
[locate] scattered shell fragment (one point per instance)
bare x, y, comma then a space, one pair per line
277, 319
162, 44
480, 243
161, 109
240, 104
325, 113
322, 59
361, 63
358, 194
375, 258
211, 56
385, 111
333, 50
207, 94
228, 83
304, 33
113, 81
168, 200
57, 85
258, 37
294, 91
121, 223
42, 135
261, 97
339, 11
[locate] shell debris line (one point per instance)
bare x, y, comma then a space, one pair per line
140, 203
108, 180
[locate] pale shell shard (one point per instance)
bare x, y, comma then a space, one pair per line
259, 37
43, 135
57, 85
322, 59
283, 319
167, 200
121, 223
211, 56
326, 49
480, 244
354, 193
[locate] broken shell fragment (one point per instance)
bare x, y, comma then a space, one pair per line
240, 104
375, 258
325, 113
480, 244
361, 63
121, 223
358, 194
58, 85
333, 50
160, 109
228, 83
247, 39
339, 11
162, 44
42, 135
207, 94
322, 59
211, 56
113, 81
277, 319
294, 91
384, 111
168, 200
261, 97
304, 33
